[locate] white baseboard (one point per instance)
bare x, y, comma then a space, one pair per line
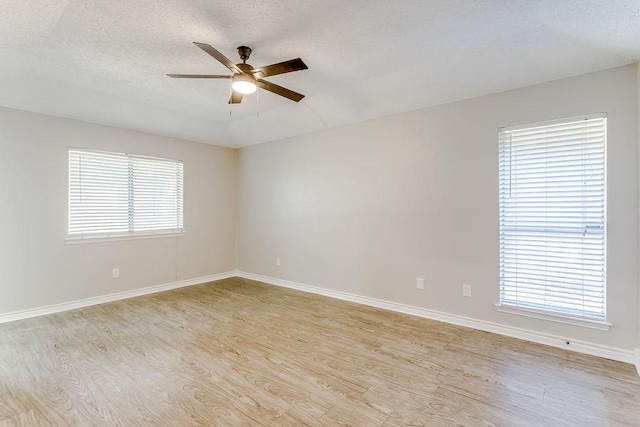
56, 308
612, 353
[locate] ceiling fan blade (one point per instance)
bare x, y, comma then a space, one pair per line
220, 57
281, 67
279, 90
198, 76
236, 97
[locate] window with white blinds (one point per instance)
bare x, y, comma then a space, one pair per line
552, 217
115, 194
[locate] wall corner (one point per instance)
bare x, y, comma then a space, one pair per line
637, 351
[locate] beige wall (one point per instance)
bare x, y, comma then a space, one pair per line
39, 268
368, 208
364, 209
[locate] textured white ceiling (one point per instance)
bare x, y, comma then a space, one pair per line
105, 61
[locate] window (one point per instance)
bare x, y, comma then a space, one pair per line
115, 194
552, 218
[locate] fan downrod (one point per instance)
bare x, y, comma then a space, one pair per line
244, 52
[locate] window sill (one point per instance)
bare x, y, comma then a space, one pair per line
539, 314
115, 238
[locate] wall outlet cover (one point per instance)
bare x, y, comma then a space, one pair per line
466, 290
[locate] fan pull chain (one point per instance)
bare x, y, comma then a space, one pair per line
230, 95
257, 103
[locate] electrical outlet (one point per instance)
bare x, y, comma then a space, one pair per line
466, 290
277, 262
420, 283
115, 273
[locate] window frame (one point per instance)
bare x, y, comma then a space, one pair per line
131, 234
548, 314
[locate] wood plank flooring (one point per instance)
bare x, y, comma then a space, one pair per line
238, 352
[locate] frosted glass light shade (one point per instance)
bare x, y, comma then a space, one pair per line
243, 83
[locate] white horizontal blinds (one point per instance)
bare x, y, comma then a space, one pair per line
552, 217
98, 193
113, 194
157, 194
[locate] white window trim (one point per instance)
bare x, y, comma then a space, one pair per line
602, 325
553, 122
118, 237
136, 235
553, 317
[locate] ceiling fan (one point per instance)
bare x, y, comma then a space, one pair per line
245, 79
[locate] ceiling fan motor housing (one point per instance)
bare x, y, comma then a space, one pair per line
245, 68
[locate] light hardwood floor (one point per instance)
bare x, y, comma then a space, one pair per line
237, 352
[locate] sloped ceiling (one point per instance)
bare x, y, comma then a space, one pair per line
105, 61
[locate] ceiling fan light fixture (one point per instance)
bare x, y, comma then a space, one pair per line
243, 83
245, 78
